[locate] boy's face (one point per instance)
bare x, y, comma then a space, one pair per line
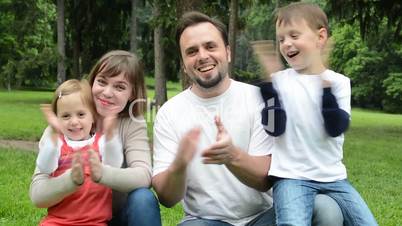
301, 46
75, 118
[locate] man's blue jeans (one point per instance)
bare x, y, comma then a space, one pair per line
326, 213
265, 219
142, 209
294, 202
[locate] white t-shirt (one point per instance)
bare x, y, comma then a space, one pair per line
212, 191
49, 152
305, 151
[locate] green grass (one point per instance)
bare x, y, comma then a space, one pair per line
172, 87
20, 116
16, 169
373, 157
372, 152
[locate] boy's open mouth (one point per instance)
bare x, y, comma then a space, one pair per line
292, 54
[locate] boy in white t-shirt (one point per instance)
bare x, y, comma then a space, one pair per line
307, 110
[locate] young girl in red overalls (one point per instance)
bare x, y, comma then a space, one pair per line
67, 153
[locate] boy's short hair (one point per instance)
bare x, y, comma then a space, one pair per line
311, 13
192, 18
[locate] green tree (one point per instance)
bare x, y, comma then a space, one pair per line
374, 28
61, 69
26, 42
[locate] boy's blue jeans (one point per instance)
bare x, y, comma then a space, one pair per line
294, 202
142, 209
326, 213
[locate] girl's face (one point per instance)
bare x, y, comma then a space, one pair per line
75, 117
111, 94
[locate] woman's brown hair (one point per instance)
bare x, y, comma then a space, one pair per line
117, 62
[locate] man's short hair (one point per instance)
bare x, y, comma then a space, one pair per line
192, 18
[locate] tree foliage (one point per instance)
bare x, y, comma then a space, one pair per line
368, 50
367, 34
26, 42
368, 14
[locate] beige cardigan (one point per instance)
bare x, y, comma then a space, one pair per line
136, 171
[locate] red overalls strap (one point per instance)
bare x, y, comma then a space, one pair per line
91, 204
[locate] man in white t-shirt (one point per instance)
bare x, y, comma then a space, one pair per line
210, 149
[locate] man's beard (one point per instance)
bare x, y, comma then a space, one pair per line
211, 83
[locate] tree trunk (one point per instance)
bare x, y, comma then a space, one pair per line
183, 6
232, 35
133, 26
76, 41
61, 70
160, 78
8, 83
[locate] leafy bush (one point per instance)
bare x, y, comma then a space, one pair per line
393, 89
370, 68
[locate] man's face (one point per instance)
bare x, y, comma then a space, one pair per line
205, 56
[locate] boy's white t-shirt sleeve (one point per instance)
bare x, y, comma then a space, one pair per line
49, 153
341, 89
342, 92
111, 151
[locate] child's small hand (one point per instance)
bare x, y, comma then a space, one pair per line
51, 118
268, 57
95, 166
77, 169
326, 83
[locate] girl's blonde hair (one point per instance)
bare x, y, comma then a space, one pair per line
117, 62
73, 86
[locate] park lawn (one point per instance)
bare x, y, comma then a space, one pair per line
372, 152
20, 117
373, 157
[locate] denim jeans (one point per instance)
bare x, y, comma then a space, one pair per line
265, 219
326, 213
294, 202
142, 209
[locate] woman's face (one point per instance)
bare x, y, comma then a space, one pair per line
111, 94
